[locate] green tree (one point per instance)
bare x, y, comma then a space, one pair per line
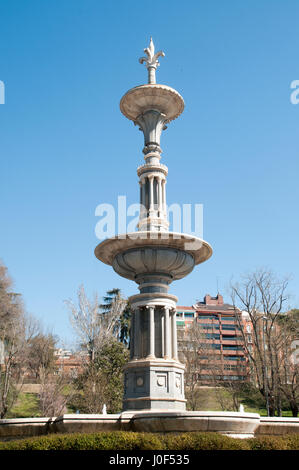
122, 327
101, 381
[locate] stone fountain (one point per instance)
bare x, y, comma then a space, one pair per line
154, 257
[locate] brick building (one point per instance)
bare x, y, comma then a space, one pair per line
69, 363
222, 355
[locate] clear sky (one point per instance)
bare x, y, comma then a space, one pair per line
65, 147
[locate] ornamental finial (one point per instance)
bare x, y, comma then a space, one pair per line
151, 61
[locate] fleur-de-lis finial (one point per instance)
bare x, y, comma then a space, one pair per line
151, 61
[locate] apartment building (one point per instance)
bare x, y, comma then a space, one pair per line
221, 352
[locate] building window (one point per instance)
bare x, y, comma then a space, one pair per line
209, 326
212, 336
208, 317
234, 358
230, 327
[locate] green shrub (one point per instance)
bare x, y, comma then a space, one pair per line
293, 441
287, 442
269, 443
88, 441
204, 441
121, 440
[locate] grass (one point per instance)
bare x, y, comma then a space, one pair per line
27, 406
207, 400
263, 412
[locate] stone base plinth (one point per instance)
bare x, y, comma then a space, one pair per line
154, 385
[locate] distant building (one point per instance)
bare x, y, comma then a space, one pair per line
222, 354
69, 363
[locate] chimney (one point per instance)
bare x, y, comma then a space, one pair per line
218, 300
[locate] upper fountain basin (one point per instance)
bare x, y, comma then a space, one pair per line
142, 98
136, 262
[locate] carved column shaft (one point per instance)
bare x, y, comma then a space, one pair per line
159, 195
174, 336
151, 350
136, 333
166, 333
151, 193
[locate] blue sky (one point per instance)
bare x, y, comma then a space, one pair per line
65, 147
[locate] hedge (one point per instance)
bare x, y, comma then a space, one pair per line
120, 440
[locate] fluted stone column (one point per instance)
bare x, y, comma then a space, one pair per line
167, 334
151, 194
141, 210
164, 196
144, 209
174, 336
136, 333
151, 350
159, 195
132, 339
162, 335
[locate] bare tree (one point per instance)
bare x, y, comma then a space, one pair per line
228, 388
262, 296
53, 397
41, 358
98, 331
193, 352
288, 366
16, 332
92, 327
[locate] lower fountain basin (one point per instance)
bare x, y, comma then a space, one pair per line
240, 425
233, 424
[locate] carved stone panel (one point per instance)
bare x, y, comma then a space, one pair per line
162, 380
178, 382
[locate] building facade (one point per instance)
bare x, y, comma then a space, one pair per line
70, 363
222, 355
